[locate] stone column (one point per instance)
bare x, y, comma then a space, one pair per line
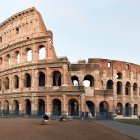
83, 103
49, 78
48, 109
64, 111
64, 80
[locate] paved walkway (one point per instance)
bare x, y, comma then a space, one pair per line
128, 129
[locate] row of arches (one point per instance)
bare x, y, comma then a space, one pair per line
73, 108
28, 54
127, 109
56, 80
88, 81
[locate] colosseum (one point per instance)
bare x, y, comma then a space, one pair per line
34, 80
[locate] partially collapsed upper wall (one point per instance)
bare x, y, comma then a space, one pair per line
21, 26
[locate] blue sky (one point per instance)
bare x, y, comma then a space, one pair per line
88, 29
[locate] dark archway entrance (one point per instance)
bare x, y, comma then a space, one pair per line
27, 107
41, 79
119, 109
103, 107
127, 109
6, 107
56, 78
135, 109
56, 107
73, 107
41, 107
16, 107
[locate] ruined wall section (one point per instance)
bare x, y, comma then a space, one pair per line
21, 26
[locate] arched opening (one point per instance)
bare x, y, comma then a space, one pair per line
29, 55
27, 80
6, 107
42, 52
73, 107
17, 30
127, 88
119, 87
6, 83
119, 75
56, 78
103, 107
127, 109
18, 57
16, 107
16, 81
41, 79
27, 107
119, 109
135, 109
135, 87
88, 81
8, 59
1, 60
0, 39
56, 107
109, 85
75, 80
91, 107
41, 107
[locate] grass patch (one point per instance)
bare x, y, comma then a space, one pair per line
131, 122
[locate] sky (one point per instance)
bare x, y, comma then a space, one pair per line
82, 29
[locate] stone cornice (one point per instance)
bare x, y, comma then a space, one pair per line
14, 17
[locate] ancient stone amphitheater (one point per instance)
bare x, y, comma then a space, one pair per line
33, 80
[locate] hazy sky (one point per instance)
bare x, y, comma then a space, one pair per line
87, 28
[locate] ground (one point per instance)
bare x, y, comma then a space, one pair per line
30, 129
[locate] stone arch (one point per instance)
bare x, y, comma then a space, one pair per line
119, 109
17, 56
16, 81
73, 107
41, 78
119, 75
91, 107
42, 52
15, 107
127, 88
1, 60
109, 85
7, 83
27, 80
127, 109
135, 88
104, 107
29, 54
56, 78
6, 107
88, 81
8, 59
41, 107
28, 107
75, 80
119, 87
135, 109
56, 109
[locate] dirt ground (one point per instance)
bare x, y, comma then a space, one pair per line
30, 129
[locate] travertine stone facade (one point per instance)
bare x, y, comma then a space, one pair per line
33, 80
